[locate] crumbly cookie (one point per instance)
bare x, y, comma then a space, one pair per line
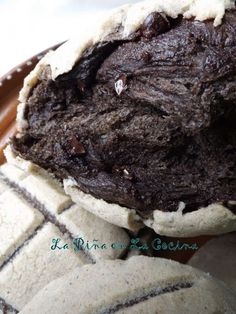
138, 285
41, 233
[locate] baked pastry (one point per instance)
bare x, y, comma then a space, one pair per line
218, 257
138, 118
34, 213
138, 285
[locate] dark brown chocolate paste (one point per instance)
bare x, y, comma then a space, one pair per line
170, 134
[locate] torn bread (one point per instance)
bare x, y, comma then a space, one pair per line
138, 117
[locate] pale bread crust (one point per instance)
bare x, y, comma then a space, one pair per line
113, 213
212, 220
44, 188
131, 279
215, 219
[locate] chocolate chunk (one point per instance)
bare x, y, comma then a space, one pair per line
146, 56
155, 24
77, 147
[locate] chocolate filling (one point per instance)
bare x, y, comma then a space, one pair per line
145, 122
